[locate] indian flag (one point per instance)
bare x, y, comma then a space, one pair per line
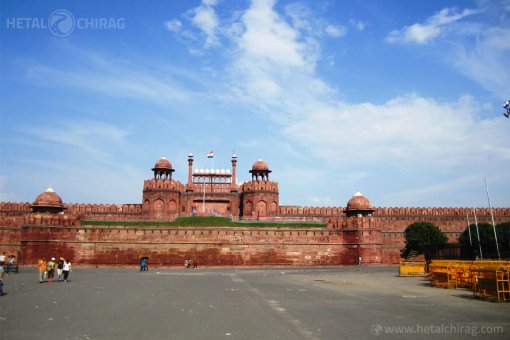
210, 154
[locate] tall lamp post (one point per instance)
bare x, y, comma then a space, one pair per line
506, 106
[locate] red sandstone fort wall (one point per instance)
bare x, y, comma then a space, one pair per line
378, 240
170, 246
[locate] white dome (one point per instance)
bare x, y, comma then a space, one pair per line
201, 171
227, 172
222, 171
207, 171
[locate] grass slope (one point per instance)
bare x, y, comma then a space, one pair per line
206, 221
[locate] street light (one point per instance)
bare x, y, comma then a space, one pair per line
506, 106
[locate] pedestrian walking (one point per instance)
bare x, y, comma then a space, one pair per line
60, 267
360, 262
51, 269
146, 267
11, 267
67, 269
42, 265
2, 279
142, 264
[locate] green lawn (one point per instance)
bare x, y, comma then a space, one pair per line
206, 221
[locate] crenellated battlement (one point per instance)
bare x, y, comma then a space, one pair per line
51, 219
396, 211
162, 184
14, 206
286, 210
440, 211
259, 186
81, 209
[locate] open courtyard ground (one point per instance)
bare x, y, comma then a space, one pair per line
229, 303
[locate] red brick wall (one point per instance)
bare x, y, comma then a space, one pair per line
170, 246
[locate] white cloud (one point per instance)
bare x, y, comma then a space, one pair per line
359, 25
432, 28
409, 129
174, 25
204, 17
479, 49
91, 137
335, 31
116, 78
269, 38
487, 60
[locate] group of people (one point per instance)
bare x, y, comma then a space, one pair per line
189, 263
47, 269
8, 264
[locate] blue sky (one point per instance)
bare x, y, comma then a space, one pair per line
400, 100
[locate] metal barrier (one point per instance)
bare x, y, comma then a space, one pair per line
412, 268
491, 280
444, 273
487, 278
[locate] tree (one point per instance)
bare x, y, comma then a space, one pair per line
486, 236
423, 237
487, 239
503, 231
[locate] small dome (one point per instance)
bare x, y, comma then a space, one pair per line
48, 200
359, 202
260, 165
163, 163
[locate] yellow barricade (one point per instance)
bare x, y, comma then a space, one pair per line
491, 280
487, 278
443, 273
412, 268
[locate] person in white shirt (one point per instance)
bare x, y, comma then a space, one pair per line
67, 269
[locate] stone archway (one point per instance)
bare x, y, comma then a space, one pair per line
159, 207
248, 208
172, 206
262, 208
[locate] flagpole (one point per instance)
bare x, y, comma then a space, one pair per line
469, 229
492, 218
478, 234
203, 201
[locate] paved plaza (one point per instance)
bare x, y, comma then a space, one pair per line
254, 303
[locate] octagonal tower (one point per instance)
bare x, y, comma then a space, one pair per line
161, 195
260, 196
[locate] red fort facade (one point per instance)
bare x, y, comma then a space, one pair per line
48, 227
